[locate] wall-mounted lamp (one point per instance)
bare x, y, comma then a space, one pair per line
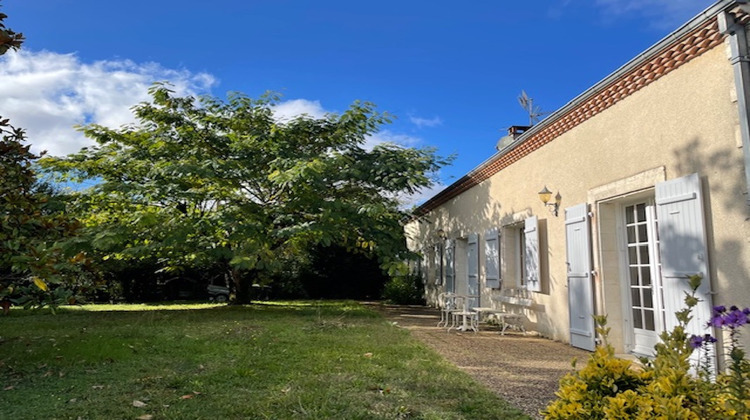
545, 195
441, 234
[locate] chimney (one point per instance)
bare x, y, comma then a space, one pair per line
513, 132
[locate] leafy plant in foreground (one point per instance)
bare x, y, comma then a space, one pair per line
666, 386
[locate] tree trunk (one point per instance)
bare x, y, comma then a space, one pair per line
241, 288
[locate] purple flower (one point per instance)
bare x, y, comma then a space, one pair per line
717, 321
696, 341
708, 338
734, 318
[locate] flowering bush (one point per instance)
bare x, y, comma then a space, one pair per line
611, 388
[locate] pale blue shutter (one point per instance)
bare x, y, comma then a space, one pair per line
423, 264
438, 262
492, 258
450, 265
531, 259
682, 246
580, 287
472, 268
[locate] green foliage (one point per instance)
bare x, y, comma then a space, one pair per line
334, 272
611, 388
207, 181
406, 289
34, 261
587, 392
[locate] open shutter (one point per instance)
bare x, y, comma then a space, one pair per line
492, 258
423, 264
472, 269
450, 265
580, 287
682, 246
438, 263
531, 259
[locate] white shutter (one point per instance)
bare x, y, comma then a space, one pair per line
438, 263
450, 265
682, 246
472, 269
492, 258
580, 287
531, 259
423, 264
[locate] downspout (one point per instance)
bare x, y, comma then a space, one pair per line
740, 59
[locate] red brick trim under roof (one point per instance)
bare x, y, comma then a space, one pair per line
652, 67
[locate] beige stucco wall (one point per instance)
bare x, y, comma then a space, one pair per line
683, 123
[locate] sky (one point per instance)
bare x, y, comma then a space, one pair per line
450, 72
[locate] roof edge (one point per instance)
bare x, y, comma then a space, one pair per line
461, 185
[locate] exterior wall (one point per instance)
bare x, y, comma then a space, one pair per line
683, 123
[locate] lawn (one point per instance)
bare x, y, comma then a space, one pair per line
287, 360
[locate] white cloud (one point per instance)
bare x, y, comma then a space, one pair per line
48, 93
425, 122
296, 107
662, 14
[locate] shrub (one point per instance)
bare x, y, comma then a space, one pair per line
611, 388
406, 289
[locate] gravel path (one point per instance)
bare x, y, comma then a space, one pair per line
523, 370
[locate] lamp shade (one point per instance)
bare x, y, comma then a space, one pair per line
545, 195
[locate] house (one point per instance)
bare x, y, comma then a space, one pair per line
649, 170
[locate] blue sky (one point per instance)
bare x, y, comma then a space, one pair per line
450, 71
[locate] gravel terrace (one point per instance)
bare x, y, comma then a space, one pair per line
522, 369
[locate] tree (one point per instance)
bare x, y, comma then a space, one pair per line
32, 228
206, 181
32, 223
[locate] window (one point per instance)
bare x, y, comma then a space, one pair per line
437, 259
492, 258
522, 254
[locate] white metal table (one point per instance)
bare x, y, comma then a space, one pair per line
506, 318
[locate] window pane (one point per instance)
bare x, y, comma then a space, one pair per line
648, 301
641, 212
631, 234
649, 320
636, 295
629, 214
642, 233
644, 254
646, 276
634, 275
637, 320
632, 255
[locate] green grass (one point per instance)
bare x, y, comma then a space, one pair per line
290, 360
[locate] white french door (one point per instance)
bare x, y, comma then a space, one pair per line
643, 278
